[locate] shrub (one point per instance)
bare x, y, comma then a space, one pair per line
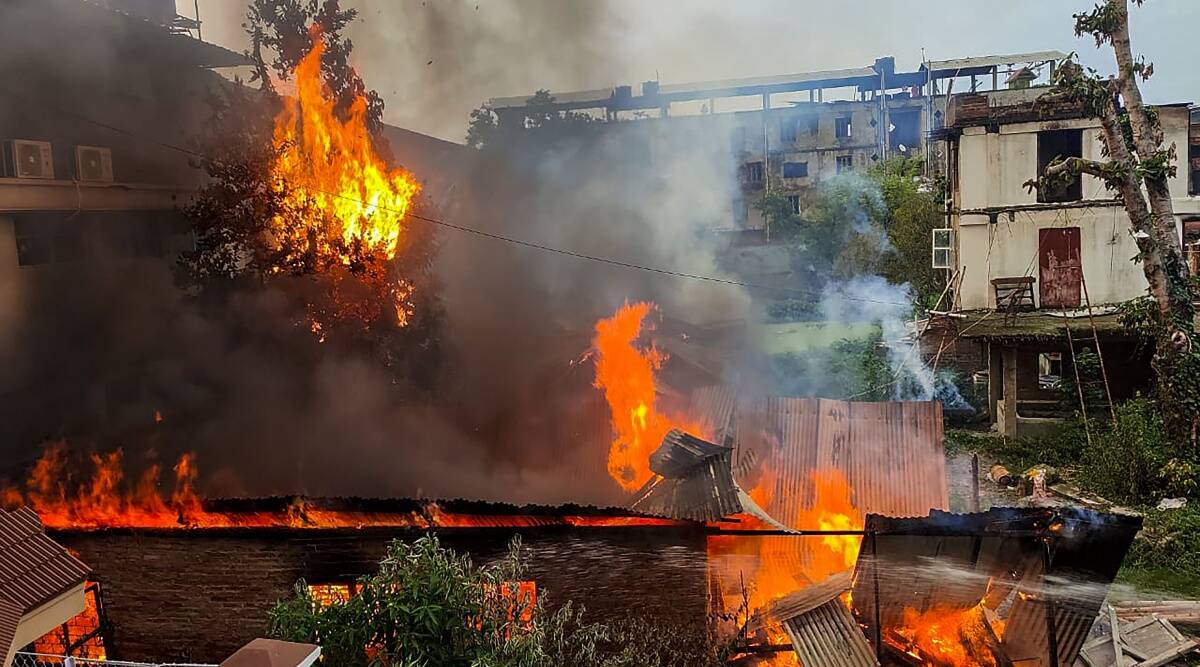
1124, 462
427, 607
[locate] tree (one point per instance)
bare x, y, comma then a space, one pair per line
1137, 167
539, 117
255, 227
877, 223
914, 208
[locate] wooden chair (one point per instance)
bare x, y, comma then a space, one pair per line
1014, 295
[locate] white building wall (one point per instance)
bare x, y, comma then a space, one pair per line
993, 167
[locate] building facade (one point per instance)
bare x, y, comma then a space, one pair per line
1036, 273
786, 133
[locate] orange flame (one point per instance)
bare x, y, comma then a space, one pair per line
947, 636
626, 374
107, 499
351, 206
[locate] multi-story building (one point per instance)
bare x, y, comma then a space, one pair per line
786, 133
1035, 272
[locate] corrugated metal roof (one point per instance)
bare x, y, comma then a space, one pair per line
714, 407
965, 66
10, 618
829, 636
806, 599
33, 570
695, 480
890, 453
33, 567
957, 561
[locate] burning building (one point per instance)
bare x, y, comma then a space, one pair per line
194, 594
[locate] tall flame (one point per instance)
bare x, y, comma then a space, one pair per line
106, 499
626, 374
350, 206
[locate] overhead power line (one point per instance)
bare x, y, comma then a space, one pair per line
501, 237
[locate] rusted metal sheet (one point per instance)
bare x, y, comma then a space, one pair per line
714, 408
1060, 267
890, 453
829, 636
1040, 558
33, 567
694, 480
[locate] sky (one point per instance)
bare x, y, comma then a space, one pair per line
436, 60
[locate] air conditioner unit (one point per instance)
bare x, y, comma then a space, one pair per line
29, 159
93, 163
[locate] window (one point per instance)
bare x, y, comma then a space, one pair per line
741, 212
845, 163
841, 127
795, 169
1057, 145
788, 130
1194, 163
905, 132
327, 594
754, 172
813, 123
943, 248
794, 204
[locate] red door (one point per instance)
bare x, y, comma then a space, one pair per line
1060, 267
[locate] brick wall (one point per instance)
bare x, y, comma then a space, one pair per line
198, 596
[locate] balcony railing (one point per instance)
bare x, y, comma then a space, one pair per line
28, 659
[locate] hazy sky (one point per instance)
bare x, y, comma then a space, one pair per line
435, 60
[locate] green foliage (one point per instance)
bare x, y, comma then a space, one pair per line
1060, 448
1166, 554
790, 310
428, 606
1090, 383
287, 28
879, 223
540, 120
915, 208
425, 605
1124, 462
850, 368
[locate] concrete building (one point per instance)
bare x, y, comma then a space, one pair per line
786, 133
103, 102
1025, 264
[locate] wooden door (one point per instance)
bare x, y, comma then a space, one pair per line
1060, 268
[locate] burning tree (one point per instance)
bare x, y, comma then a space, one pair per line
303, 196
1137, 168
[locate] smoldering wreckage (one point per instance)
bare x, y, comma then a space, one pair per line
817, 530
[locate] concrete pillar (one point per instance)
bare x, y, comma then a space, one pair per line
995, 380
1009, 418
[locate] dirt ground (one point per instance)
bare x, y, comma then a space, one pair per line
958, 474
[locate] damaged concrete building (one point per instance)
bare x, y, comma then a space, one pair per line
786, 133
1036, 273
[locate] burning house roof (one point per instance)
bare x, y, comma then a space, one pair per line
934, 587
694, 480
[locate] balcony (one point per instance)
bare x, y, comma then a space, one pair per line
29, 194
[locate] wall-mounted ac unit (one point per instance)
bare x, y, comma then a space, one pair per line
93, 163
29, 159
943, 248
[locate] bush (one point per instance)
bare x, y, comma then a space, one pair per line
1166, 554
1125, 462
427, 606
